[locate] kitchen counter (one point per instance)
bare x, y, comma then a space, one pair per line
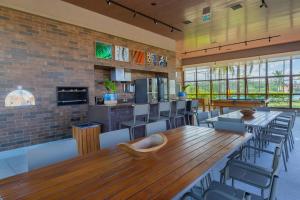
117, 105
111, 116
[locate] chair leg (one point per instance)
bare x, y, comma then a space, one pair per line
289, 141
174, 122
184, 121
284, 161
189, 121
286, 150
132, 133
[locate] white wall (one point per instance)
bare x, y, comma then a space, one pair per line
65, 12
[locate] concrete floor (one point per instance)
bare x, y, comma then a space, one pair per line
14, 162
289, 182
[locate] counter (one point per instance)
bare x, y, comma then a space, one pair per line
112, 115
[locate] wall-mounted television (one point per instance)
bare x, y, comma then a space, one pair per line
103, 50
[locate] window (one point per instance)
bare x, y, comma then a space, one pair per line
256, 69
277, 79
296, 83
279, 68
190, 75
19, 97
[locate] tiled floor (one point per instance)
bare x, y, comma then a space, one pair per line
14, 162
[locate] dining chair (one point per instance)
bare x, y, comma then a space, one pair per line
218, 191
282, 121
164, 113
235, 127
227, 119
139, 111
49, 153
254, 175
193, 110
278, 140
226, 110
180, 112
285, 132
263, 109
113, 138
156, 127
214, 113
202, 117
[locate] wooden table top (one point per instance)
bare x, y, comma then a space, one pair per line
260, 119
112, 174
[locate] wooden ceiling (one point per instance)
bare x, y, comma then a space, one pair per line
226, 26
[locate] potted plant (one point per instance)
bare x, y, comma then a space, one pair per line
111, 97
182, 93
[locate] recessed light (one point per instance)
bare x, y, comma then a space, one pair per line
187, 22
153, 4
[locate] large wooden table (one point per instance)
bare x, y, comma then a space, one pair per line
260, 119
112, 174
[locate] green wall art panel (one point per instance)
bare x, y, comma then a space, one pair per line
103, 51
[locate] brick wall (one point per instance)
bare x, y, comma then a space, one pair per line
41, 54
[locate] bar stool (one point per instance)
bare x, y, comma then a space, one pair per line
139, 110
180, 112
164, 113
193, 110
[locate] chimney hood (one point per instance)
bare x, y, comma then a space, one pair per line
119, 74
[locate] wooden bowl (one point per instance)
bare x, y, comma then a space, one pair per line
145, 147
247, 112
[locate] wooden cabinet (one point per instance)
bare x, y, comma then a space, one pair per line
87, 137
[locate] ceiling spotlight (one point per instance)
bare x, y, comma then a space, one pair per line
172, 29
246, 43
270, 39
263, 4
219, 48
134, 14
108, 2
155, 22
205, 50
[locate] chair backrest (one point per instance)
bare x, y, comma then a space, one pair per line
202, 116
292, 115
113, 138
194, 105
164, 106
164, 109
227, 119
214, 113
141, 110
226, 110
180, 107
263, 109
230, 126
49, 153
156, 127
109, 140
